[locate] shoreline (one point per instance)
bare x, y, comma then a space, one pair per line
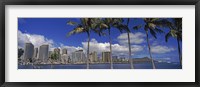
97, 63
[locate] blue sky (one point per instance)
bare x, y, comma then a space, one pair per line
54, 31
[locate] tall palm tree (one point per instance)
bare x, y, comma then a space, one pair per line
176, 31
85, 26
106, 24
126, 28
151, 25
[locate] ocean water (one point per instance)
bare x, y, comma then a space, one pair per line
103, 66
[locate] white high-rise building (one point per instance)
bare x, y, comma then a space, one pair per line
43, 53
106, 57
64, 58
93, 57
28, 52
78, 57
64, 51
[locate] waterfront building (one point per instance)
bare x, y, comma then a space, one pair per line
64, 58
64, 51
43, 53
93, 57
28, 52
115, 58
50, 53
35, 53
105, 56
123, 59
78, 57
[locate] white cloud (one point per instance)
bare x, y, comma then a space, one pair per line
36, 40
70, 49
161, 49
116, 48
135, 38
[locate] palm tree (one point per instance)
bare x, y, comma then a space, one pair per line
126, 28
106, 24
176, 31
54, 56
85, 26
151, 24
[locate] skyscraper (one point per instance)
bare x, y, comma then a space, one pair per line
43, 53
64, 58
28, 52
64, 51
50, 53
115, 58
93, 57
105, 56
35, 54
78, 57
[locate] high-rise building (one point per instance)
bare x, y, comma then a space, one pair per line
64, 51
93, 57
64, 58
115, 58
105, 56
35, 54
28, 52
78, 57
44, 53
50, 53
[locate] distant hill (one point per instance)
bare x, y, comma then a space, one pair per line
144, 59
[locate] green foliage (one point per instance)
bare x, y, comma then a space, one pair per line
54, 56
20, 52
175, 29
152, 25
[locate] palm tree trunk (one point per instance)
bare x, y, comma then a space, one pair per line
152, 61
88, 50
111, 62
129, 44
179, 52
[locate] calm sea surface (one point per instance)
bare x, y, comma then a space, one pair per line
103, 66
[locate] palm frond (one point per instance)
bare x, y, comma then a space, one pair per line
103, 25
154, 19
122, 27
100, 32
153, 33
75, 31
137, 27
159, 30
71, 23
167, 36
162, 23
173, 33
151, 25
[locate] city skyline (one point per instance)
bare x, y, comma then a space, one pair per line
31, 30
43, 53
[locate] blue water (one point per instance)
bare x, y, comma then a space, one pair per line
103, 66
